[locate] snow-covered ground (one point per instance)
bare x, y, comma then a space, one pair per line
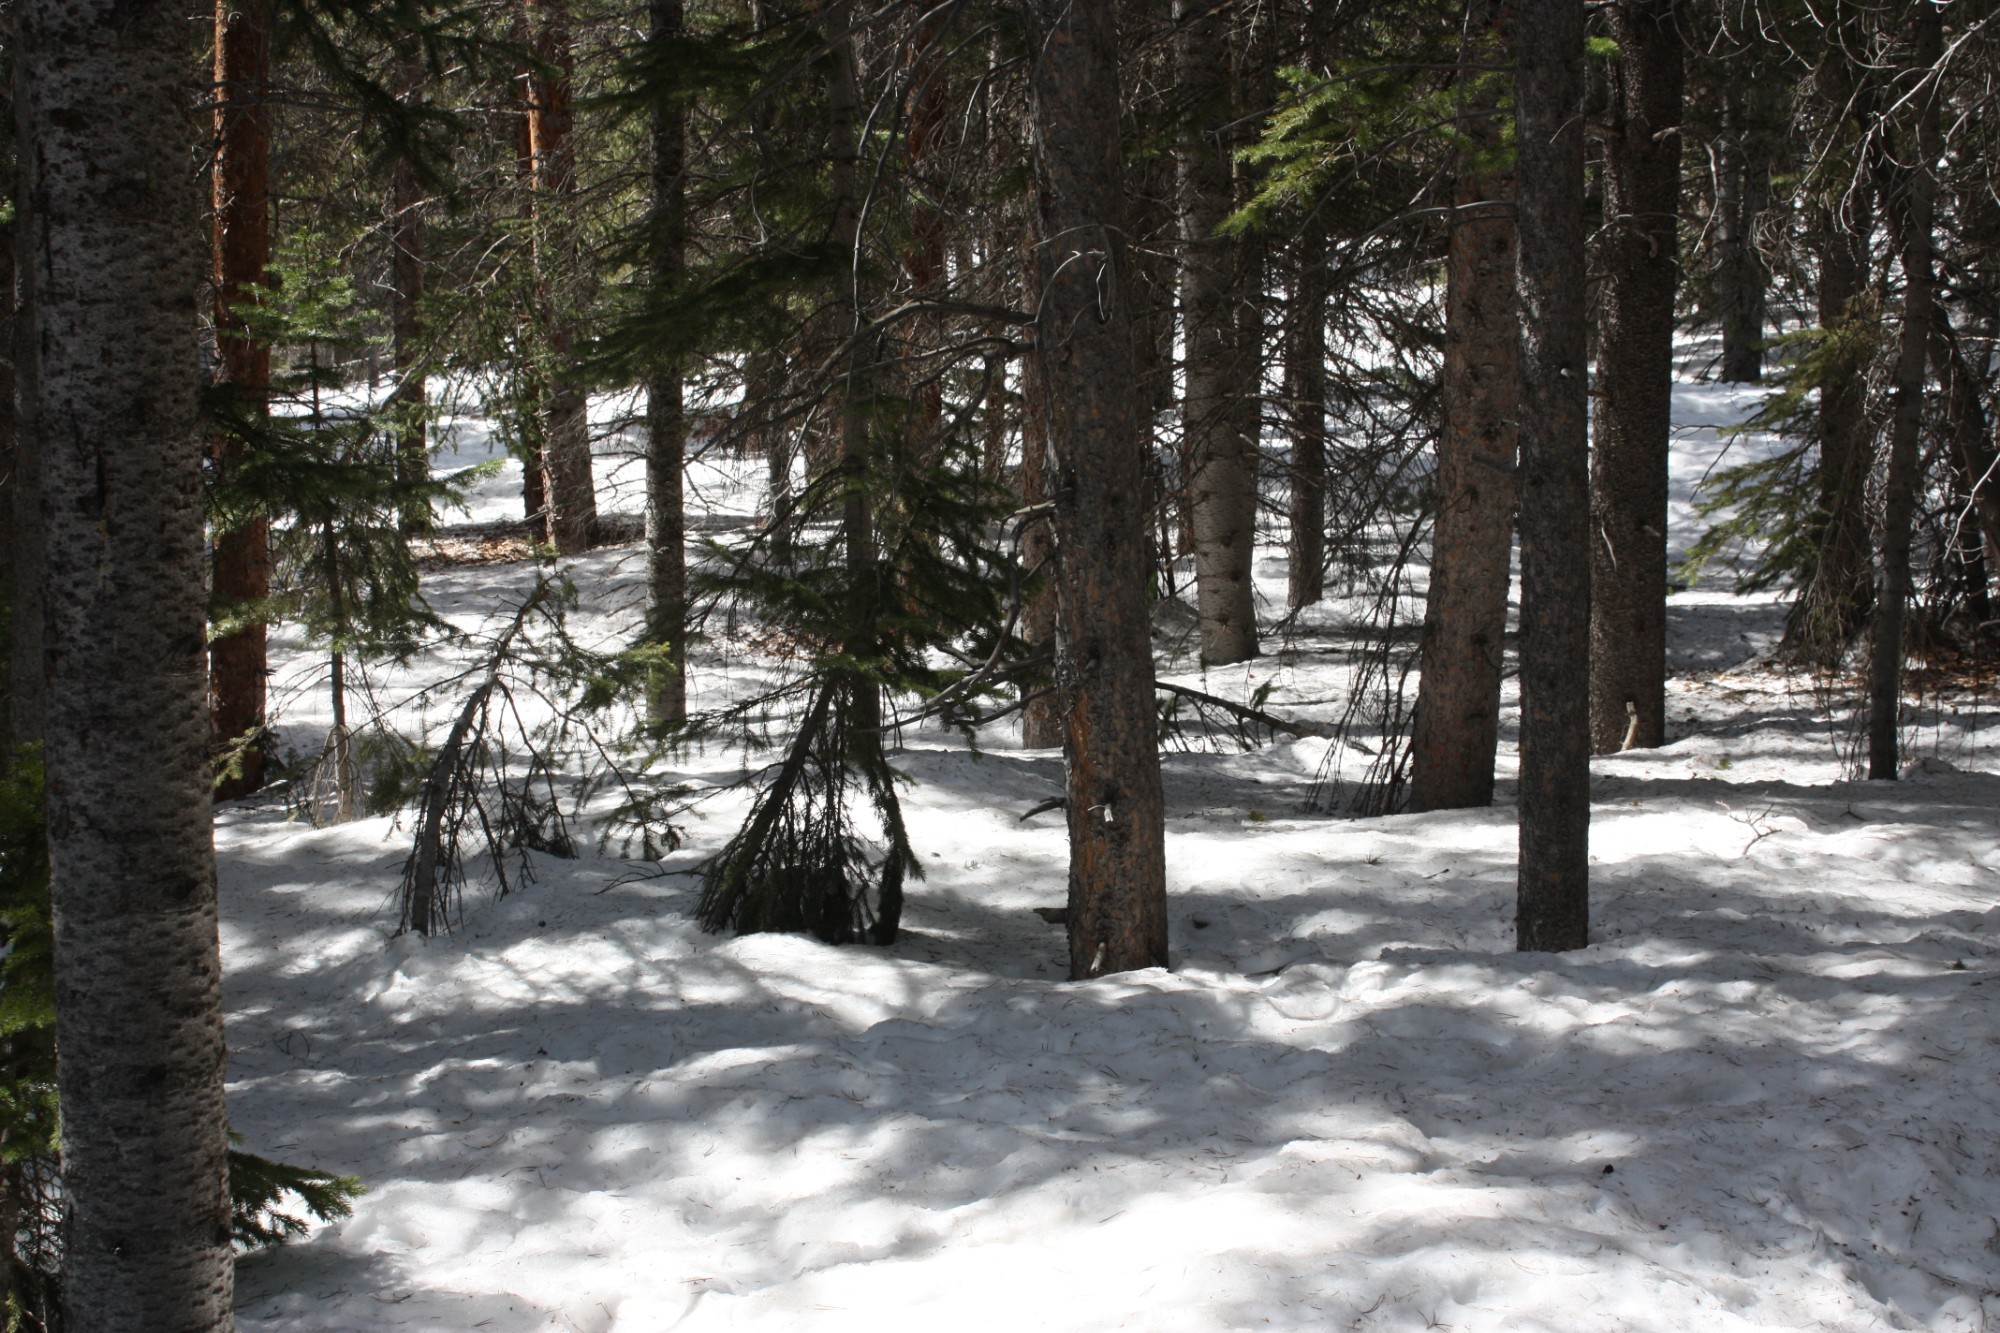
1763, 1098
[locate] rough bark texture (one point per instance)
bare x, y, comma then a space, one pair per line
1918, 206
9, 473
1457, 723
666, 418
1553, 905
406, 291
1305, 389
1117, 872
241, 574
568, 491
1221, 366
28, 673
1628, 460
137, 972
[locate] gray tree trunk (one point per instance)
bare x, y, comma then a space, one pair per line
406, 288
1899, 489
1104, 669
1628, 459
1221, 366
137, 971
1552, 909
1457, 725
28, 671
666, 418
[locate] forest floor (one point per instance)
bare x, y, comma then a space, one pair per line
1764, 1097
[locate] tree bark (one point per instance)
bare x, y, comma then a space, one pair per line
1457, 726
137, 969
1104, 672
1553, 904
9, 480
1635, 349
28, 675
568, 489
241, 574
406, 292
666, 418
1221, 367
1305, 390
1041, 714
1833, 608
1742, 174
1899, 489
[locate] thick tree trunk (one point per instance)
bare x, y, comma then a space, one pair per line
666, 419
1553, 906
1628, 460
406, 291
241, 575
1457, 725
1305, 391
568, 490
137, 969
1899, 488
1221, 365
28, 669
1104, 671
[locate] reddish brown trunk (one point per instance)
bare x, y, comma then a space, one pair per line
568, 490
1465, 613
241, 571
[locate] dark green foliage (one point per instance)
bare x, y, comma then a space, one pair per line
260, 1192
1773, 510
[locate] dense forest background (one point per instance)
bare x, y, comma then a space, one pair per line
814, 378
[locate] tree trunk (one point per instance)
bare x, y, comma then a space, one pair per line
28, 670
241, 576
1305, 390
1833, 607
1628, 460
406, 291
137, 970
1899, 489
1457, 725
9, 484
1041, 713
1553, 906
1221, 369
666, 419
1104, 671
568, 490
1741, 171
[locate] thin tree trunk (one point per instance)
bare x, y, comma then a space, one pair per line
1104, 672
406, 291
1972, 444
666, 418
1305, 389
1457, 724
9, 482
1899, 489
241, 574
1221, 371
1628, 460
568, 489
1041, 714
1553, 905
137, 968
1833, 608
1741, 172
534, 500
857, 411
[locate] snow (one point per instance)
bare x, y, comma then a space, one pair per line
1762, 1098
